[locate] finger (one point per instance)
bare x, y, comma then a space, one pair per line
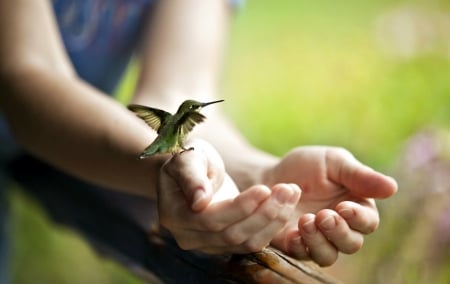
197, 174
344, 169
264, 236
261, 226
296, 247
213, 231
216, 217
337, 231
203, 230
227, 190
171, 202
255, 232
319, 248
189, 175
362, 217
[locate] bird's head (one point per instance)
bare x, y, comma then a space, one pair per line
191, 105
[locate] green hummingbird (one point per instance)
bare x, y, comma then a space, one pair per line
172, 129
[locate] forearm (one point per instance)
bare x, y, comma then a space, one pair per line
183, 54
183, 60
59, 118
65, 122
244, 162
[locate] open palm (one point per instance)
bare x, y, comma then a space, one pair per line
337, 204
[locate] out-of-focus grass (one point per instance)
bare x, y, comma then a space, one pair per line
298, 72
312, 73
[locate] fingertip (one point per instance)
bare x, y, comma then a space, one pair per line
362, 218
325, 213
346, 209
393, 184
261, 193
297, 248
296, 189
369, 183
287, 192
318, 247
327, 219
385, 187
305, 219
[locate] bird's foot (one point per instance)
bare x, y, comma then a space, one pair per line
187, 149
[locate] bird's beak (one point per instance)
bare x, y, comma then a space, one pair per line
210, 103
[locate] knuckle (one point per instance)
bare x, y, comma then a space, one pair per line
211, 225
335, 153
270, 212
233, 238
254, 245
341, 151
246, 206
284, 216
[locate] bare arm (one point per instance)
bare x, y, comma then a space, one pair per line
183, 60
58, 117
185, 63
62, 120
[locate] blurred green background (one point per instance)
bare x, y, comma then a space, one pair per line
364, 75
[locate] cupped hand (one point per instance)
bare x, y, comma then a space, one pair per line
204, 210
337, 206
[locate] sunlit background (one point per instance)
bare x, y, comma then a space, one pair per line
370, 76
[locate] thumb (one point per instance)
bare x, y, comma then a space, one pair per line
344, 169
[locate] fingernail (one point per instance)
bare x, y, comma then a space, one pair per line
346, 213
309, 227
328, 223
283, 195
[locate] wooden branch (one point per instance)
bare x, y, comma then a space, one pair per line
154, 257
264, 267
272, 266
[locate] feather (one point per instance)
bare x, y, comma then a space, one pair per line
189, 120
152, 116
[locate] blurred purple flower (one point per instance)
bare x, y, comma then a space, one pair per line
443, 228
425, 162
420, 150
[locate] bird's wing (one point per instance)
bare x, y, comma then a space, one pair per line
189, 120
152, 116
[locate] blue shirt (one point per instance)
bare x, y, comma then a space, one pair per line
101, 36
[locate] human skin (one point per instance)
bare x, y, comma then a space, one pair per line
61, 119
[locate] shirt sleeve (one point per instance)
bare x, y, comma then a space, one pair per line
236, 4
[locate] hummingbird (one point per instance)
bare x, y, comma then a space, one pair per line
172, 129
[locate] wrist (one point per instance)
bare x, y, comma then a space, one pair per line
251, 168
150, 169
